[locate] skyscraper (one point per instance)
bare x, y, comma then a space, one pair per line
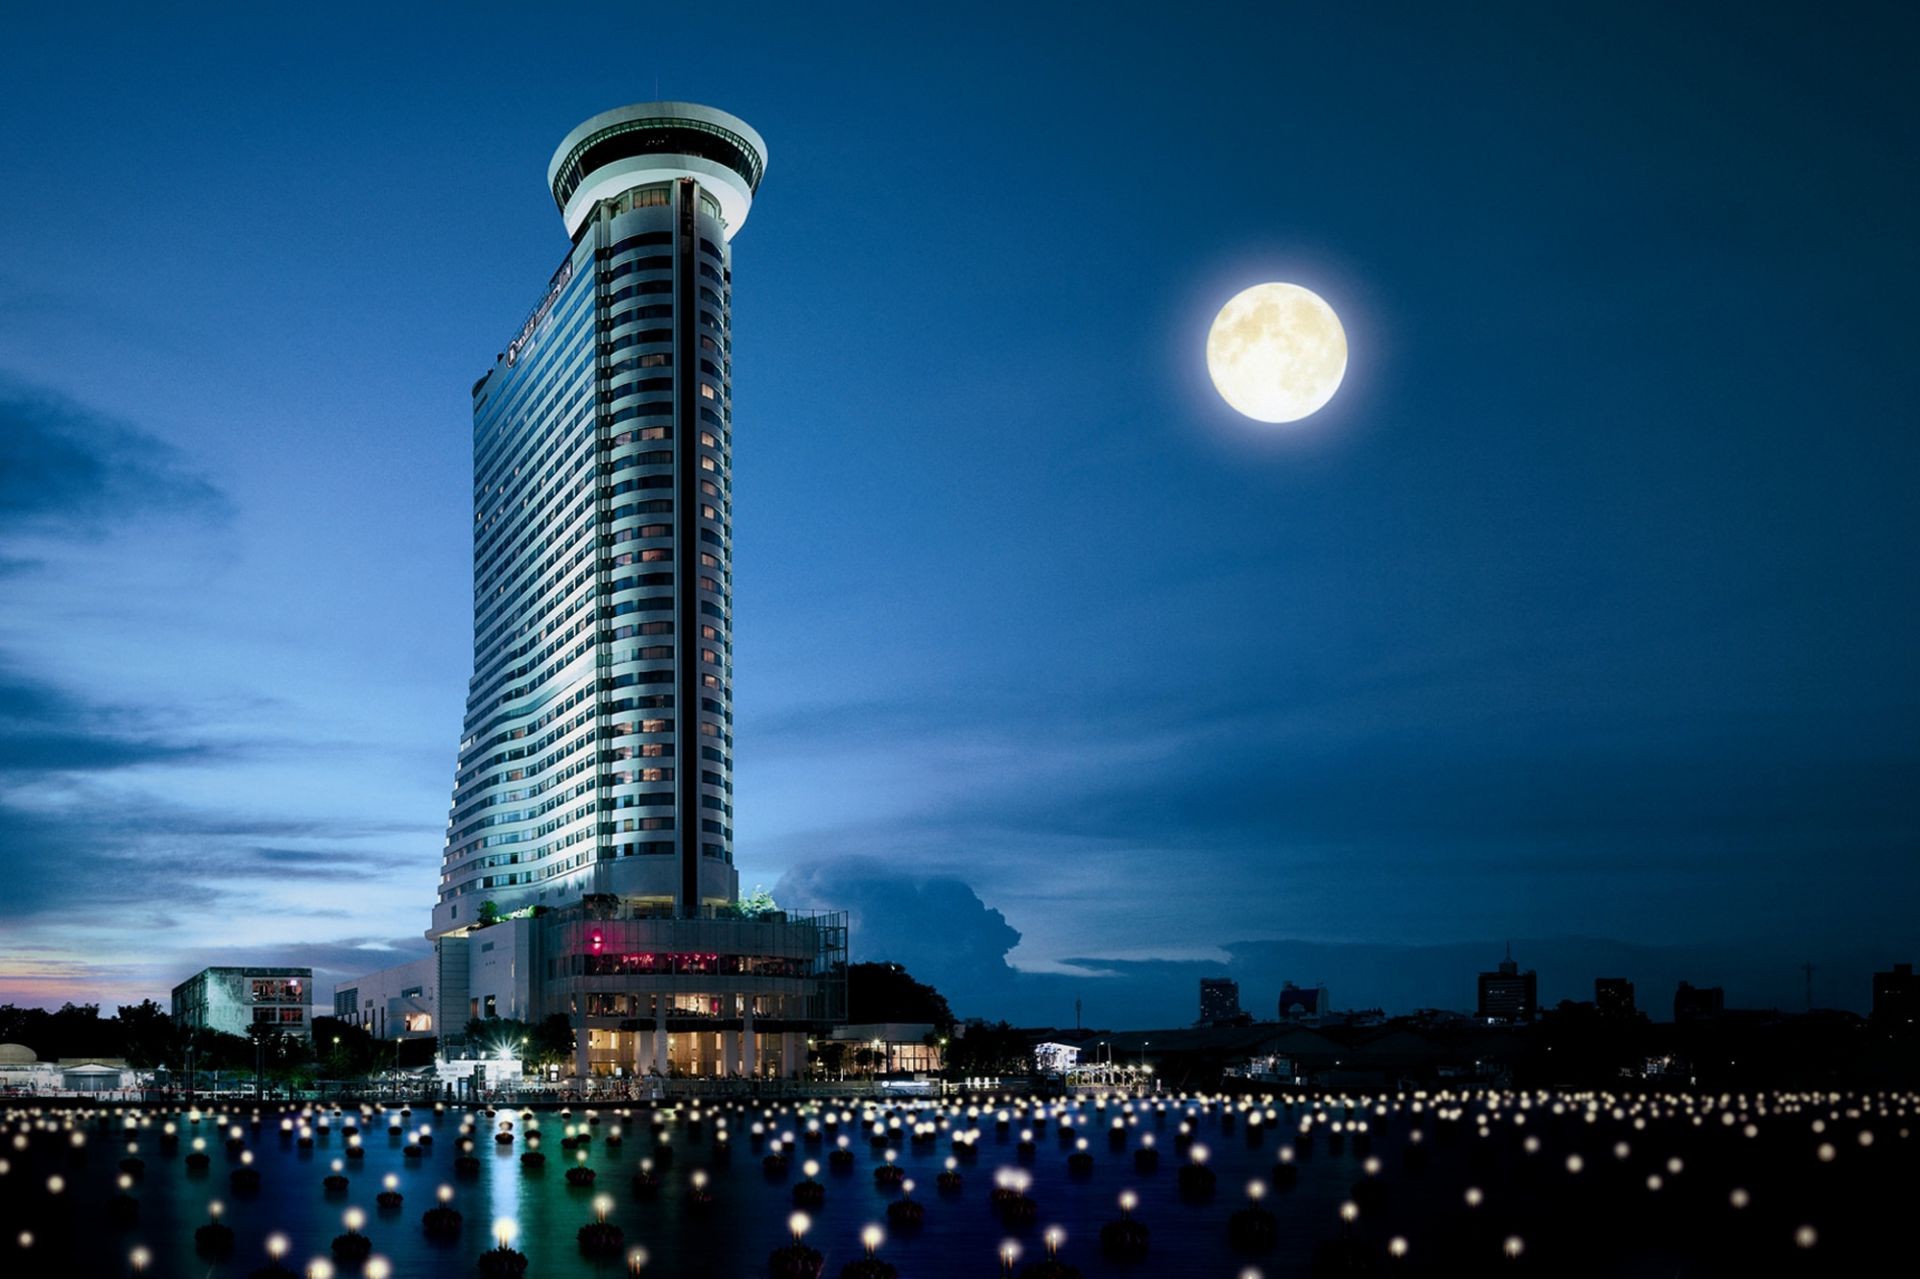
596, 756
1613, 997
1507, 994
592, 808
1219, 1001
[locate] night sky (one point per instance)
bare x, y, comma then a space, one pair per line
1583, 617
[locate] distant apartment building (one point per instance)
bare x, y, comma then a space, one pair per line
1697, 1003
1219, 1000
1308, 1004
235, 1000
1613, 997
1508, 995
394, 1003
1896, 998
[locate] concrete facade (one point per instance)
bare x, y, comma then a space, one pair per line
234, 1000
401, 1002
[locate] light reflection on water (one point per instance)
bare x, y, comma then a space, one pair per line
1602, 1219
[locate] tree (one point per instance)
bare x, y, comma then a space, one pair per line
887, 992
489, 913
832, 1056
989, 1050
344, 1050
148, 1035
552, 1042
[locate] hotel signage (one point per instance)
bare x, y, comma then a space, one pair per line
539, 313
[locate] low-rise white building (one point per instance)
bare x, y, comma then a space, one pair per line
898, 1048
400, 1002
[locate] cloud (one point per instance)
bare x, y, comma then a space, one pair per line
68, 471
45, 729
1421, 802
941, 930
935, 925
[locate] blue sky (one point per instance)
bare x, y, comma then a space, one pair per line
1582, 616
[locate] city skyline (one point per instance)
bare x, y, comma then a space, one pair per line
1577, 618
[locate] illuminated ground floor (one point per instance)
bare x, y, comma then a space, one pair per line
719, 995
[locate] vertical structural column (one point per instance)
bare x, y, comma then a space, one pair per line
582, 1041
749, 1047
661, 1060
729, 1053
686, 541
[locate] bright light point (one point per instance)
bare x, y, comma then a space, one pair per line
1277, 352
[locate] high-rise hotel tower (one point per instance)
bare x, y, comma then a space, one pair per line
597, 749
595, 773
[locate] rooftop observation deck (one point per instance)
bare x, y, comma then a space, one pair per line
653, 142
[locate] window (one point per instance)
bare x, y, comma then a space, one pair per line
491, 1011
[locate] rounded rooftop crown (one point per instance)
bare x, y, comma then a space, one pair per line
652, 142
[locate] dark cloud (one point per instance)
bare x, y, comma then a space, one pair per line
1425, 800
67, 471
934, 924
341, 959
44, 729
58, 855
940, 930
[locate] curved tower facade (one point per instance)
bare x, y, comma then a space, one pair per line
588, 867
597, 751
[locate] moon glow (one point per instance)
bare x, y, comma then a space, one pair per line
1276, 352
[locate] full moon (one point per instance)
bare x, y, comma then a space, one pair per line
1276, 352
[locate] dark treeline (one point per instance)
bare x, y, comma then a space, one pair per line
145, 1036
